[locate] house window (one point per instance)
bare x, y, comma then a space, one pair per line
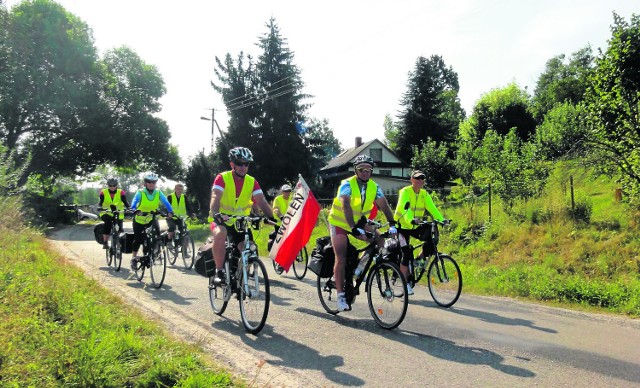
385, 172
376, 154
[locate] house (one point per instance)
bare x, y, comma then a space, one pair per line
390, 171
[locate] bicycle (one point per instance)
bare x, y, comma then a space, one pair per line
443, 274
154, 252
387, 298
182, 244
113, 254
299, 264
246, 277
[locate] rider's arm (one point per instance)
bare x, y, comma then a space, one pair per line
214, 206
165, 202
123, 198
101, 198
136, 201
263, 204
432, 209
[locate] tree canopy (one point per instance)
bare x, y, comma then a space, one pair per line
70, 110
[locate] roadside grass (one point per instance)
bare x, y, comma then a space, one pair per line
58, 328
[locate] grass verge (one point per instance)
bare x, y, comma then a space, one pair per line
58, 328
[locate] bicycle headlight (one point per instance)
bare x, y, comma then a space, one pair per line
253, 247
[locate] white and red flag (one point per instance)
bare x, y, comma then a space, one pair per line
297, 225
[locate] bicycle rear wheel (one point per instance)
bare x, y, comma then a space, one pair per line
445, 280
142, 260
173, 253
387, 295
188, 251
254, 296
108, 255
158, 264
217, 297
300, 263
277, 267
328, 294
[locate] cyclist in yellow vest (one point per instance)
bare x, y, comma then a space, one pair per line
281, 202
234, 192
420, 203
181, 208
351, 206
114, 199
146, 200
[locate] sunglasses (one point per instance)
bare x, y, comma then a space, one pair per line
242, 164
113, 185
421, 177
365, 170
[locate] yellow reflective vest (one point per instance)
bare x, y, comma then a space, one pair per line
147, 205
108, 201
359, 208
418, 204
281, 204
179, 205
231, 205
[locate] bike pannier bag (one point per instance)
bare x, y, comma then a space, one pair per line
126, 241
98, 231
426, 235
204, 263
322, 258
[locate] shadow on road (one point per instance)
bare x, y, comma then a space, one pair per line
436, 347
295, 355
498, 319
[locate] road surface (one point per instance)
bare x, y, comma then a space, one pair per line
480, 341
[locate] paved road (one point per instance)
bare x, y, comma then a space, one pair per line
481, 341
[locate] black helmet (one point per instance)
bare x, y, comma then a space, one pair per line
360, 159
238, 154
112, 182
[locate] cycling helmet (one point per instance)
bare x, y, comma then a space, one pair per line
112, 182
238, 154
360, 159
150, 178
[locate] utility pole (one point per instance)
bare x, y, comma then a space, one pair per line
213, 124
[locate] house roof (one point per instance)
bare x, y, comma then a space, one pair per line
348, 155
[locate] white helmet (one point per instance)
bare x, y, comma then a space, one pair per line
150, 178
240, 154
285, 187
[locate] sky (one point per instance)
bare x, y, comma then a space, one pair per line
354, 56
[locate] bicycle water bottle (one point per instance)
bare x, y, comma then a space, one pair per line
362, 264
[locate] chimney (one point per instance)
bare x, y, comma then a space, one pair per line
358, 141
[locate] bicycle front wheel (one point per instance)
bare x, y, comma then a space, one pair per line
142, 260
117, 259
172, 254
188, 251
445, 280
108, 255
387, 295
158, 264
300, 263
254, 296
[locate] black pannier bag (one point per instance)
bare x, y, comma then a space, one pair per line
322, 258
426, 235
204, 263
126, 240
98, 231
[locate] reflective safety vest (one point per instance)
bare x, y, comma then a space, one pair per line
359, 208
281, 204
419, 204
116, 200
147, 205
179, 205
231, 205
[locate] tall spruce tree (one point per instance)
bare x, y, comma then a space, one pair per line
430, 106
264, 101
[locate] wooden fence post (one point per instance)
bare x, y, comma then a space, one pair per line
573, 202
489, 202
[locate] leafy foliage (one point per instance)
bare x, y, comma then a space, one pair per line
612, 102
433, 159
70, 110
562, 133
199, 178
562, 82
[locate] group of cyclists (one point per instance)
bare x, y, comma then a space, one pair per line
236, 193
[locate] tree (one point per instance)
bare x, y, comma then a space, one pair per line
430, 107
265, 103
612, 102
70, 110
562, 133
501, 110
433, 159
199, 179
561, 82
